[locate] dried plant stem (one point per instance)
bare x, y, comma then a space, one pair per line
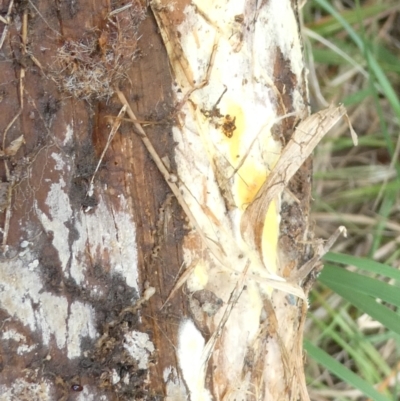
6, 20
24, 39
6, 227
119, 10
168, 177
10, 124
322, 250
234, 297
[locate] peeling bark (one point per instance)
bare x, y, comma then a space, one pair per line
112, 287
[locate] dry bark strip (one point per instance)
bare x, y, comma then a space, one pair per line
305, 138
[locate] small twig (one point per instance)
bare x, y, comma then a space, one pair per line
147, 294
181, 280
273, 329
145, 122
114, 129
39, 65
298, 352
10, 124
235, 295
7, 219
203, 83
6, 20
24, 34
171, 181
44, 19
119, 10
304, 271
24, 31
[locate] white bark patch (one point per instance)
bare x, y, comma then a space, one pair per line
190, 350
17, 282
69, 134
89, 394
51, 318
102, 230
59, 213
22, 390
140, 347
115, 377
127, 265
13, 335
81, 323
60, 163
33, 265
109, 230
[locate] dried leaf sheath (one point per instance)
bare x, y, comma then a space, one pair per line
305, 138
238, 72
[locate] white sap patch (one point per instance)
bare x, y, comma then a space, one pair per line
199, 277
175, 388
278, 33
23, 390
140, 347
243, 86
190, 350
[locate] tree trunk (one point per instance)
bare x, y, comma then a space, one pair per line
137, 262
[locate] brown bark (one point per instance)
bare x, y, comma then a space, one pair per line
127, 183
78, 269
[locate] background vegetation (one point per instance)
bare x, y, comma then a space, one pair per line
353, 332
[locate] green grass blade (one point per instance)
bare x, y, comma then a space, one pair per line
329, 26
361, 284
363, 193
375, 67
366, 304
342, 372
364, 264
385, 210
357, 98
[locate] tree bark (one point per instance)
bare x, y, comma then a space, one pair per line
134, 141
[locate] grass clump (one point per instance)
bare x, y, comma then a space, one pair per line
353, 334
